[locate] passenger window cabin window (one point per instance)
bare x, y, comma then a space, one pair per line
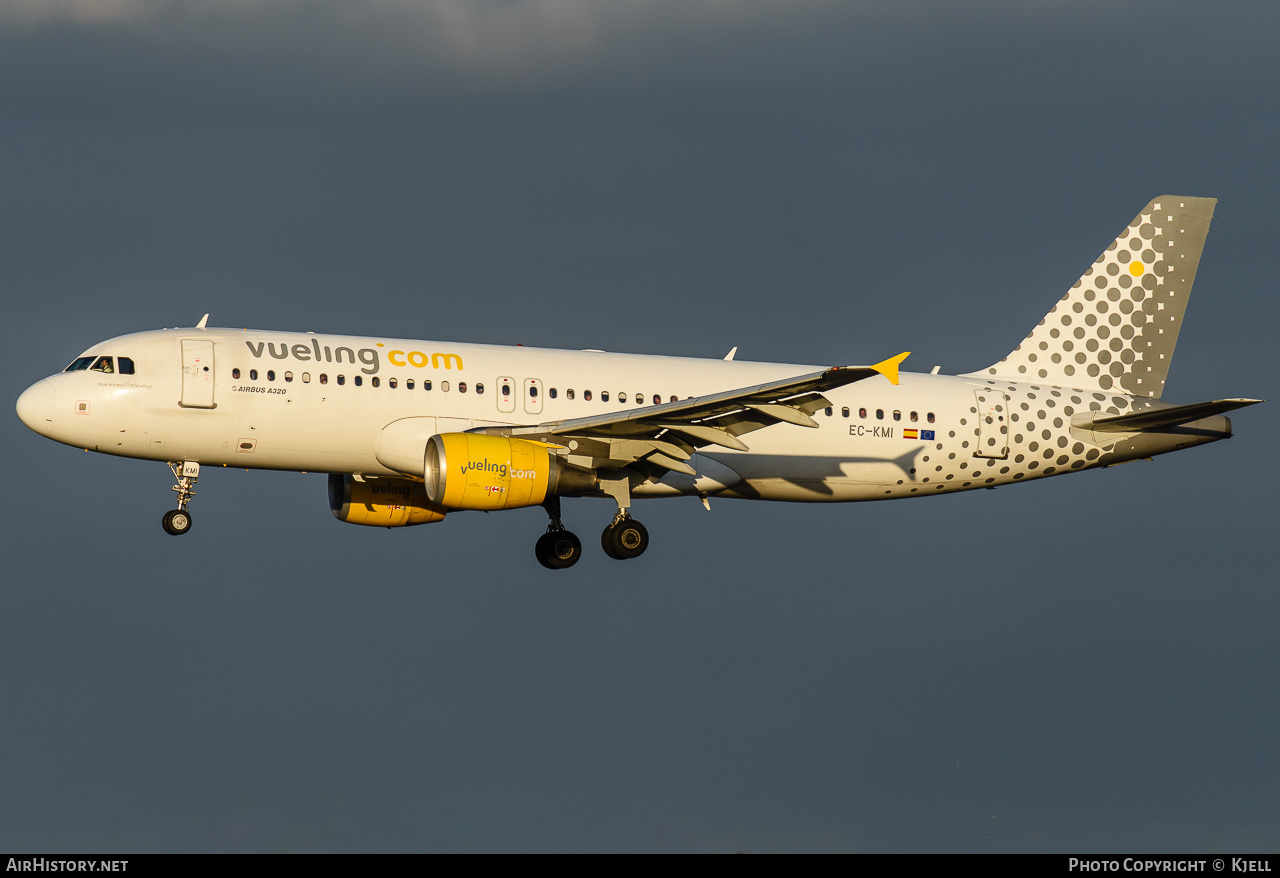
374, 381
914, 417
657, 399
586, 395
235, 373
879, 414
306, 377
830, 411
862, 413
104, 365
844, 412
408, 384
569, 393
342, 379
253, 374
357, 380
426, 385
533, 392
674, 398
288, 377
271, 374
125, 365
462, 387
479, 388
79, 364
929, 417
393, 383
639, 399
604, 396
324, 379
444, 386
506, 390
897, 415
622, 397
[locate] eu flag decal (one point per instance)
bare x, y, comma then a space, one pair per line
926, 435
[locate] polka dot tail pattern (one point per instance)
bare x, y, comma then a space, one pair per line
1116, 327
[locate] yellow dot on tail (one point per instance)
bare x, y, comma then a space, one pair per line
1136, 268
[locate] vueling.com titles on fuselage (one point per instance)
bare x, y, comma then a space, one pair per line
370, 357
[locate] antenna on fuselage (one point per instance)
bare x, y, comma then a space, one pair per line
203, 321
732, 353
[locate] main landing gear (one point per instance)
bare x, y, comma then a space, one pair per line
178, 521
624, 538
559, 548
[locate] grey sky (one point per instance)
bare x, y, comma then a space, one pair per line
1080, 664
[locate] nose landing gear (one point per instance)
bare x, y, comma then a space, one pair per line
176, 522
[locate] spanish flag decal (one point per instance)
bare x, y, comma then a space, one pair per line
910, 434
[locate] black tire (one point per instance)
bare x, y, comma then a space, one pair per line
625, 539
558, 549
607, 543
177, 522
631, 538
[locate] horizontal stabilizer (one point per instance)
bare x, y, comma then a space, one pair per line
1170, 416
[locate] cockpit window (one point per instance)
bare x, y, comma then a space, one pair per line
102, 364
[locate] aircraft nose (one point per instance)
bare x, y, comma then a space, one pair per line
36, 407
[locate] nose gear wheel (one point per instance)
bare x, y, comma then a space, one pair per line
176, 522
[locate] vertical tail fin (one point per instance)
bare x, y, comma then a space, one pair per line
1116, 328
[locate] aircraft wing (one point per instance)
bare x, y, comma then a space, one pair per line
668, 434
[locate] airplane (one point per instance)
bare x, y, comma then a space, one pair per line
409, 431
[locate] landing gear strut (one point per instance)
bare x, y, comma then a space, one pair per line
557, 548
178, 521
625, 537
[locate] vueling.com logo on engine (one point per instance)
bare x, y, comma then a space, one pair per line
502, 470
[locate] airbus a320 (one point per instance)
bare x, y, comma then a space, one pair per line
410, 431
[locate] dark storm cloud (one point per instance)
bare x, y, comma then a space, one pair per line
1079, 664
194, 59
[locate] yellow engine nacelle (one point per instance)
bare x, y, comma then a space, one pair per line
381, 502
478, 471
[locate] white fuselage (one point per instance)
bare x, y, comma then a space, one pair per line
320, 403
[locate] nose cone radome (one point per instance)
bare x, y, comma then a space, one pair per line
36, 406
